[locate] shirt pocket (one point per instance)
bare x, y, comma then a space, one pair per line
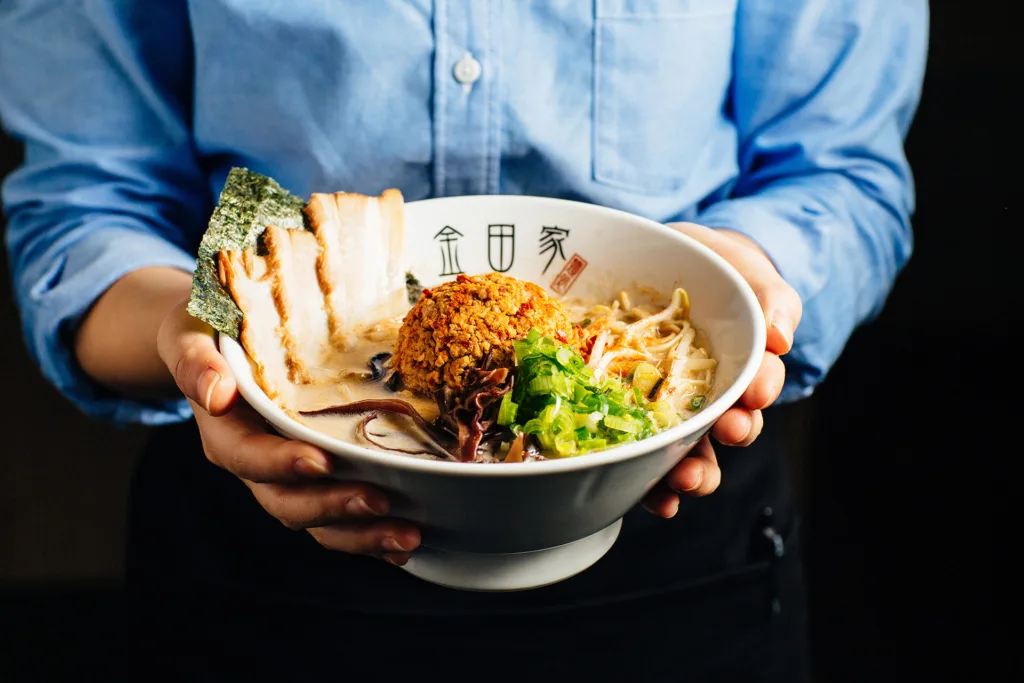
661, 76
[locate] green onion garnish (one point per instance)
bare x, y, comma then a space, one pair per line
557, 399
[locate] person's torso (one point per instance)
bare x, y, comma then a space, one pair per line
622, 103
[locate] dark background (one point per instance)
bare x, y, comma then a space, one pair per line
908, 441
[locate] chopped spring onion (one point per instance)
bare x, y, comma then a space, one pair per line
507, 411
663, 414
645, 376
558, 400
697, 402
621, 424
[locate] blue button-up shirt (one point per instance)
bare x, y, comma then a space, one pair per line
782, 119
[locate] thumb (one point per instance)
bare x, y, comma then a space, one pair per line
780, 302
186, 345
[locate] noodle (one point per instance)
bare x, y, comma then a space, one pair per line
636, 365
622, 333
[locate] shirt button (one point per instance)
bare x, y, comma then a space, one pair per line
467, 70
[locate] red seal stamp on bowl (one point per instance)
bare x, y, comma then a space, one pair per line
570, 272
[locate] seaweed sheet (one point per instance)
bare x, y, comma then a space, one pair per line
248, 203
413, 288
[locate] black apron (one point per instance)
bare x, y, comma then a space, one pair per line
222, 591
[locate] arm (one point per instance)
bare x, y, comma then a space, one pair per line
823, 96
124, 358
103, 218
109, 181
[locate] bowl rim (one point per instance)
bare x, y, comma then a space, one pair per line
236, 356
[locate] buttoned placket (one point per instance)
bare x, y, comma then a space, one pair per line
467, 106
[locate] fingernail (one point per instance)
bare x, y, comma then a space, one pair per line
392, 544
207, 383
697, 483
311, 467
359, 507
784, 327
750, 430
746, 434
397, 560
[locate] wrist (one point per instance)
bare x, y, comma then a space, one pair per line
116, 342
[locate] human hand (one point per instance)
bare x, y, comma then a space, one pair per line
290, 479
698, 473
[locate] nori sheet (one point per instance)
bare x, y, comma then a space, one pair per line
248, 203
413, 288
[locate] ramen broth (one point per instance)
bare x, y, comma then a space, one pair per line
396, 433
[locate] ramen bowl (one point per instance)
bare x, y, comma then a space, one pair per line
502, 527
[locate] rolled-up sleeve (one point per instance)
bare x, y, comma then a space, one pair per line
98, 93
823, 97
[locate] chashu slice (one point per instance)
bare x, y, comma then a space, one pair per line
306, 301
292, 256
249, 280
284, 329
361, 268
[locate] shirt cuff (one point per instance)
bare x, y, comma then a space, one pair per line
58, 298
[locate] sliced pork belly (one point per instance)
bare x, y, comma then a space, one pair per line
309, 300
246, 276
292, 256
361, 271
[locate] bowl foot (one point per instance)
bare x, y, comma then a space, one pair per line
514, 571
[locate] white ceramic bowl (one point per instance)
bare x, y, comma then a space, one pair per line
511, 527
